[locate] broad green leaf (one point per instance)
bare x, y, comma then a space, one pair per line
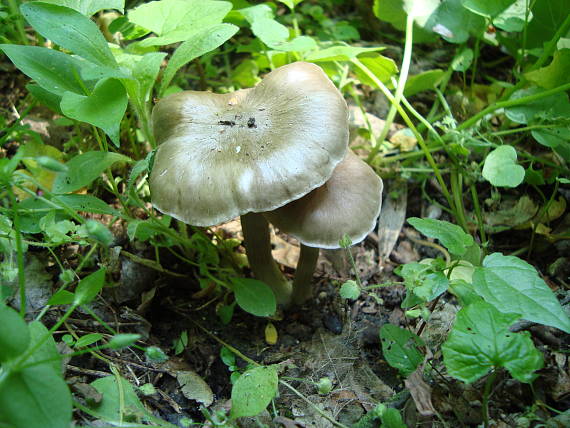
512, 285
144, 70
392, 11
259, 11
270, 31
254, 296
89, 286
62, 297
69, 29
54, 71
462, 60
298, 44
486, 8
14, 334
88, 339
253, 391
119, 403
548, 17
426, 81
200, 43
501, 168
555, 74
90, 7
400, 348
454, 23
85, 168
177, 20
339, 53
481, 340
47, 350
86, 203
290, 3
552, 137
104, 107
450, 235
552, 107
433, 285
514, 17
35, 397
383, 68
99, 232
47, 98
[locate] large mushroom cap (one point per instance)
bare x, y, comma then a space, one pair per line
348, 203
254, 150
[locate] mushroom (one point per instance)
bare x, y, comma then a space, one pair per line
347, 204
240, 154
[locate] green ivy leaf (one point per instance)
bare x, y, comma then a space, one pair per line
254, 296
400, 348
85, 168
481, 339
14, 334
253, 391
69, 29
512, 285
104, 107
450, 235
501, 168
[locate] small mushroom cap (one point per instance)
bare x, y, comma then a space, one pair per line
253, 150
348, 203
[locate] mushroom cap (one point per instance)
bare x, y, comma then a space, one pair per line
253, 150
348, 203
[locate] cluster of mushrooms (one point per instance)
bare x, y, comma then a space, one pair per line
274, 153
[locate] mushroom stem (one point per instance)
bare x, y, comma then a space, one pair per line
258, 246
302, 289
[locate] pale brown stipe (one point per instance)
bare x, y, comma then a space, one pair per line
348, 203
254, 150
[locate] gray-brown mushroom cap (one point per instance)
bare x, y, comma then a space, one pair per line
348, 203
253, 150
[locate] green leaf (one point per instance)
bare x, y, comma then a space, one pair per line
253, 391
552, 137
104, 107
555, 74
200, 43
400, 348
85, 168
54, 71
62, 297
88, 339
254, 296
462, 60
290, 3
512, 285
481, 339
501, 168
14, 334
450, 235
119, 341
426, 81
35, 397
45, 97
69, 29
548, 17
339, 53
270, 31
47, 350
144, 70
90, 7
177, 20
89, 286
350, 290
383, 68
86, 203
514, 18
99, 232
120, 403
550, 108
486, 8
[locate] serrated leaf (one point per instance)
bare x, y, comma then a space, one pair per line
254, 296
14, 334
54, 71
512, 285
501, 168
200, 43
89, 286
78, 34
85, 168
450, 235
400, 348
253, 391
480, 340
104, 107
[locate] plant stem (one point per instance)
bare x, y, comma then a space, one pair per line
302, 289
486, 392
258, 246
19, 251
457, 190
479, 215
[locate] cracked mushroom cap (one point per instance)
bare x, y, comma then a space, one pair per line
253, 150
348, 203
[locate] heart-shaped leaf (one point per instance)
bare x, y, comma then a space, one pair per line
501, 168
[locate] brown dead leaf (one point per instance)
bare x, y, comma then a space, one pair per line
421, 392
392, 218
